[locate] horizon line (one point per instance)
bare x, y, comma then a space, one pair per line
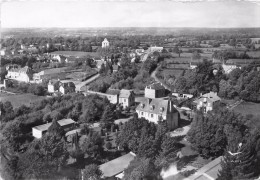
124, 27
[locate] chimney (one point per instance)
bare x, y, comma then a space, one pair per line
170, 105
149, 100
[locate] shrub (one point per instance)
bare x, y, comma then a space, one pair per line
108, 145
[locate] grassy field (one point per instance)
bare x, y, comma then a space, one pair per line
20, 99
246, 108
175, 72
254, 54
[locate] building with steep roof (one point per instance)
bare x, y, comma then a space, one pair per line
207, 101
155, 90
159, 109
113, 95
126, 98
105, 43
20, 74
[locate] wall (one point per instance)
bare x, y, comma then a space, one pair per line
36, 133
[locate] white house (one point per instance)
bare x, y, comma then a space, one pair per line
20, 74
66, 124
126, 98
207, 101
158, 109
228, 68
105, 43
67, 87
53, 86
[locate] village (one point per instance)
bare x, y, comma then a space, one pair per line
96, 101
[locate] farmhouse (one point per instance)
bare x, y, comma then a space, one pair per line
20, 74
66, 124
113, 95
207, 101
158, 109
116, 167
126, 98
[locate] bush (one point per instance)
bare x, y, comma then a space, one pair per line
108, 145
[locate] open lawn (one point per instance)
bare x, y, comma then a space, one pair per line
175, 72
246, 108
21, 99
254, 54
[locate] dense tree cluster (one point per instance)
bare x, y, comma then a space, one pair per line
243, 83
211, 134
155, 150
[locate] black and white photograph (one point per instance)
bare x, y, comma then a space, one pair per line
129, 90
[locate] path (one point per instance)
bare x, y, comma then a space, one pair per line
81, 84
153, 75
232, 106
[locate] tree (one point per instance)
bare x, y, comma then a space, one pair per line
210, 134
92, 172
92, 144
177, 51
244, 165
108, 116
196, 55
56, 129
141, 169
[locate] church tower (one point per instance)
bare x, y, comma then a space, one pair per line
105, 43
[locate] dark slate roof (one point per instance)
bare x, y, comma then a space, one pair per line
156, 86
156, 106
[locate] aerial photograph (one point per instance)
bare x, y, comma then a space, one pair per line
129, 90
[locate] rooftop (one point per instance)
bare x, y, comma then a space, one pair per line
63, 122
124, 93
207, 172
117, 165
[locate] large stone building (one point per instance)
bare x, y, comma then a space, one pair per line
155, 90
159, 109
105, 43
20, 74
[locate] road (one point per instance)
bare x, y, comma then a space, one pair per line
157, 80
81, 84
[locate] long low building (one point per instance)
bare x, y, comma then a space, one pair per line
66, 124
116, 167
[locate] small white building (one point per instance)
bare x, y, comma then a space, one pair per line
2, 52
155, 48
126, 98
39, 131
105, 43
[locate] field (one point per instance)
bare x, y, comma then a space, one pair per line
246, 108
76, 54
175, 72
20, 99
254, 54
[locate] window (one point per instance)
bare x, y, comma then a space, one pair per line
151, 115
124, 100
142, 113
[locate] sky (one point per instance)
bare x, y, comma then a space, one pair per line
74, 14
